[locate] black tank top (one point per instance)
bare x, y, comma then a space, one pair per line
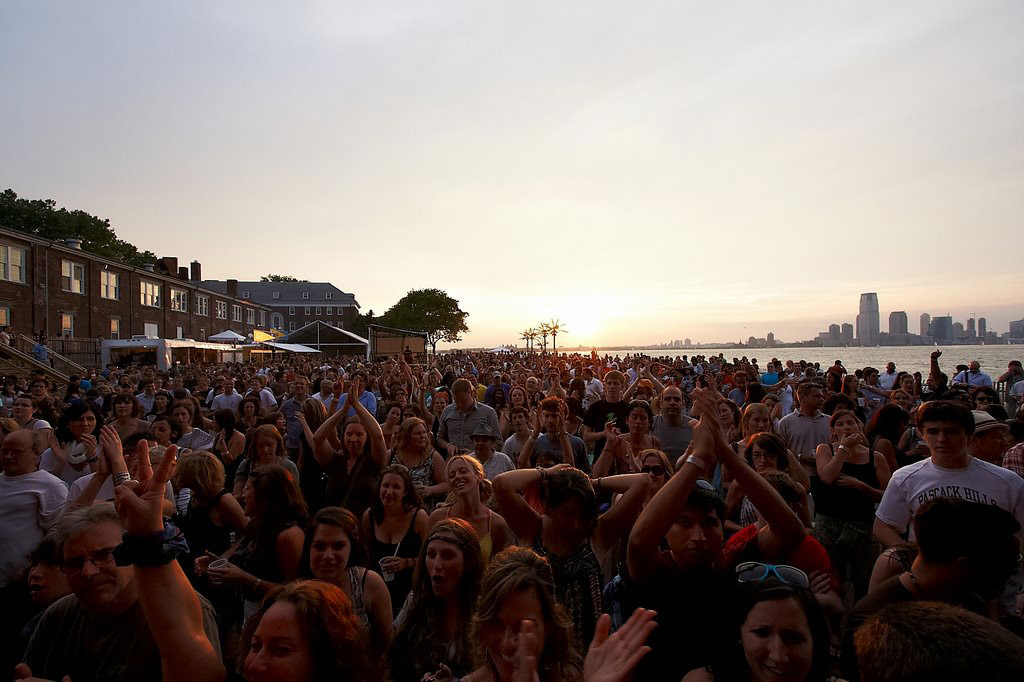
406, 548
201, 533
847, 504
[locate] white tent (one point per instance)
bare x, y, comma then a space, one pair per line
290, 347
226, 335
500, 349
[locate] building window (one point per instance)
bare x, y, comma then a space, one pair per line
291, 326
277, 295
5, 314
236, 313
180, 332
110, 285
12, 263
319, 311
250, 316
305, 295
115, 327
246, 294
329, 310
263, 318
203, 305
222, 310
151, 329
179, 300
202, 334
291, 310
328, 295
149, 294
306, 310
72, 277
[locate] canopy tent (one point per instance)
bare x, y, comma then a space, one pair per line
500, 349
326, 338
289, 347
229, 335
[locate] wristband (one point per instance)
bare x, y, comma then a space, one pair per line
543, 473
121, 477
698, 462
156, 549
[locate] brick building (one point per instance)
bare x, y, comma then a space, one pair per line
59, 289
293, 305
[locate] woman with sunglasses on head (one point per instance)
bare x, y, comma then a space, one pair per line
852, 475
782, 634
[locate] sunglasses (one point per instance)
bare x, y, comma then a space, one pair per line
654, 470
756, 572
706, 485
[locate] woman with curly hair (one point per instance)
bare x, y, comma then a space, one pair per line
433, 633
305, 632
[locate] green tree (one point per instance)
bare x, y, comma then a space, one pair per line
431, 311
280, 278
42, 218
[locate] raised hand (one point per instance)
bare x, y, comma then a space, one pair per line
528, 650
140, 502
611, 659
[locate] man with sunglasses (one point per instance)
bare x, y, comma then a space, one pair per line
99, 631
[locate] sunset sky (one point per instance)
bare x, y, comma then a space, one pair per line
644, 171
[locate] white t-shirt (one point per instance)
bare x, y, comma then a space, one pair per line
106, 493
499, 463
70, 474
29, 505
979, 481
513, 446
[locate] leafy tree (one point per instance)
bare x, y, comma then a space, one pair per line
280, 278
431, 311
42, 218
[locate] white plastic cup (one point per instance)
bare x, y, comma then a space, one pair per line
217, 563
387, 575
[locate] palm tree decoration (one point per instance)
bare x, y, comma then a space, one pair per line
544, 330
556, 327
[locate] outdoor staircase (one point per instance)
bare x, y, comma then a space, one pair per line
17, 359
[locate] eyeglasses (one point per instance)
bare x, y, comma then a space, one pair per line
101, 557
654, 470
756, 572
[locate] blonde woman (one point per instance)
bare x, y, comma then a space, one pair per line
469, 489
413, 450
212, 513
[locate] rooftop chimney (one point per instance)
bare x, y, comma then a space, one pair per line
148, 267
197, 271
232, 288
183, 273
73, 243
169, 265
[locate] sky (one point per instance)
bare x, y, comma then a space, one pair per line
642, 171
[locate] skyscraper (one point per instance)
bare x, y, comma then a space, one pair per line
834, 333
898, 322
867, 320
942, 328
846, 333
971, 332
982, 328
926, 322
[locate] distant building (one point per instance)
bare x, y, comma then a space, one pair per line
59, 289
834, 332
898, 322
293, 305
958, 330
972, 331
846, 333
982, 328
771, 338
926, 324
942, 329
868, 320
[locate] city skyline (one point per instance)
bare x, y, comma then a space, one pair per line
647, 172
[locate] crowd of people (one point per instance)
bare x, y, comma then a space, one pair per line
482, 517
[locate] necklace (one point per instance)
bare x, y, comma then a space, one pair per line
913, 579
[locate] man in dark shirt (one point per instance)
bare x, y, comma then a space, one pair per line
610, 409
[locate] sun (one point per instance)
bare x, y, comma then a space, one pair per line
583, 318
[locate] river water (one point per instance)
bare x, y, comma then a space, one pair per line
993, 358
